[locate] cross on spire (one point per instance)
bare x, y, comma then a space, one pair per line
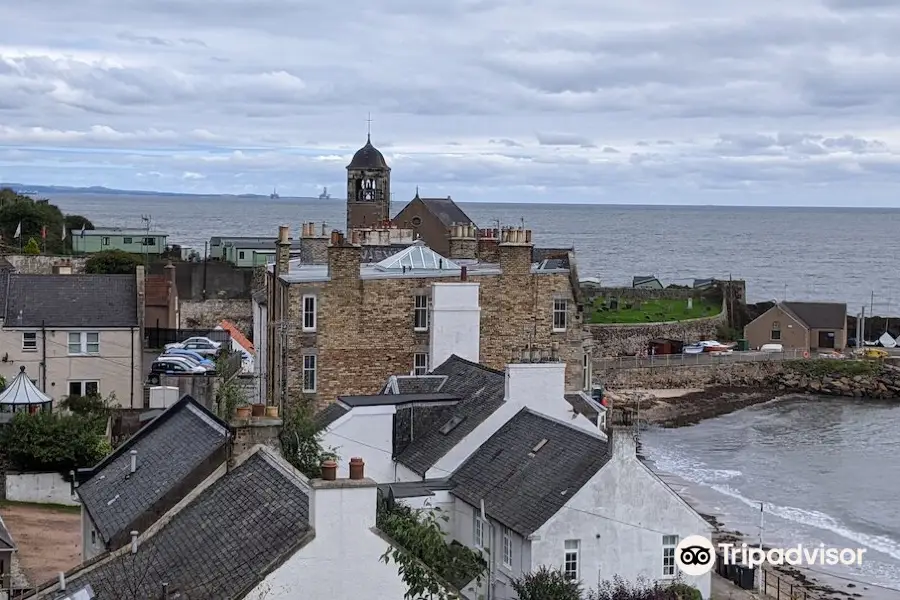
369, 127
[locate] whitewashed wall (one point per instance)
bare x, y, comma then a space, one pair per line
39, 488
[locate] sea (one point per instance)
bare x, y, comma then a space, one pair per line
825, 470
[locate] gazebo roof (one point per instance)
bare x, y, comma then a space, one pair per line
21, 391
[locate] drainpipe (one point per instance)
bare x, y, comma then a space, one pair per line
132, 368
44, 358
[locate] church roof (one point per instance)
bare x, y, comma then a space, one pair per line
417, 256
368, 157
22, 391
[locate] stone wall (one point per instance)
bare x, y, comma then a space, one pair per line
688, 377
43, 265
209, 280
630, 339
626, 293
206, 314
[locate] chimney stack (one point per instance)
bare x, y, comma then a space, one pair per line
134, 543
357, 468
283, 251
329, 470
455, 321
463, 243
133, 461
621, 434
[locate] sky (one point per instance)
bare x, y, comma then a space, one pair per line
759, 102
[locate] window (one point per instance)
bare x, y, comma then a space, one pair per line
560, 315
309, 313
104, 241
416, 221
421, 313
586, 369
668, 555
570, 561
309, 373
420, 363
29, 341
479, 532
241, 254
126, 240
507, 547
776, 330
84, 388
149, 241
84, 343
93, 537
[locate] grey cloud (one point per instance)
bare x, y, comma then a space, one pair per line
610, 150
563, 139
506, 142
144, 39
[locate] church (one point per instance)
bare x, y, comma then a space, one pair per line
369, 203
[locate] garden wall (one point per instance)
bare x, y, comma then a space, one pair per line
626, 293
39, 488
629, 339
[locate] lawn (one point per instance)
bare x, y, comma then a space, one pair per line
653, 311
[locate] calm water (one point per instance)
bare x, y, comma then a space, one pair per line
826, 254
825, 471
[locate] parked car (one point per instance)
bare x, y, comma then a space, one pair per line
187, 360
203, 360
169, 367
200, 345
771, 348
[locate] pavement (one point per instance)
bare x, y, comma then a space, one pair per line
723, 589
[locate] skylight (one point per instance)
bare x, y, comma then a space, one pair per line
417, 256
538, 446
451, 425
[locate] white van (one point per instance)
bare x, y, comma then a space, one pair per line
771, 348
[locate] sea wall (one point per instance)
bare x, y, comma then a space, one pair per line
860, 379
43, 264
628, 339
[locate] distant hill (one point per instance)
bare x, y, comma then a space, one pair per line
100, 190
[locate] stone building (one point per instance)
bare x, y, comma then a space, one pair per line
346, 326
368, 188
432, 219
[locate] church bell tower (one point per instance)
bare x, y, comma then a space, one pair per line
368, 188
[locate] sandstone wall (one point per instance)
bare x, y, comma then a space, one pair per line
206, 314
43, 265
695, 376
630, 339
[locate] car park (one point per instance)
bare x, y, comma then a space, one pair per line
187, 360
200, 345
196, 356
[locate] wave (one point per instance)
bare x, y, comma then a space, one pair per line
699, 473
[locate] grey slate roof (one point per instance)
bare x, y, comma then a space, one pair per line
222, 543
397, 399
447, 211
410, 384
521, 488
6, 541
328, 415
414, 489
481, 391
169, 449
71, 301
583, 406
5, 265
541, 254
368, 157
374, 254
819, 315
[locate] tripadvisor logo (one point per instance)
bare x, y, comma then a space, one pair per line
695, 555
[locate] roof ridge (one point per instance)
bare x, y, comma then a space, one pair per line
474, 364
591, 434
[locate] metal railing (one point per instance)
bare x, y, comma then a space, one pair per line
778, 587
705, 358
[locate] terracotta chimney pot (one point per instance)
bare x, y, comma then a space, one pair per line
357, 468
329, 470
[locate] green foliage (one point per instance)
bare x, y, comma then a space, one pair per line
301, 441
2, 383
47, 441
229, 394
658, 310
546, 584
74, 223
33, 215
112, 262
834, 368
88, 405
425, 561
643, 589
724, 333
32, 247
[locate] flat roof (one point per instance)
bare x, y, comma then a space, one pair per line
304, 273
118, 231
415, 489
395, 399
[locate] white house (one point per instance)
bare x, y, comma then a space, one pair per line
260, 310
253, 529
76, 334
427, 425
240, 344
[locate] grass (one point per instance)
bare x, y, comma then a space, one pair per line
653, 311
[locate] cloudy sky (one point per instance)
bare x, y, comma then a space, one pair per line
655, 101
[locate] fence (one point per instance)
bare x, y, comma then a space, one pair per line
690, 360
779, 587
158, 337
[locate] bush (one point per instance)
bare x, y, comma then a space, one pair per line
48, 441
112, 262
834, 368
546, 584
2, 383
642, 589
32, 247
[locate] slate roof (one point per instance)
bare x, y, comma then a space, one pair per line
71, 301
425, 384
374, 254
414, 489
329, 415
221, 544
541, 254
640, 279
819, 315
6, 541
522, 488
447, 211
583, 406
5, 265
368, 157
169, 449
481, 392
4, 287
397, 399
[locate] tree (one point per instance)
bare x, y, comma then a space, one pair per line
76, 222
2, 379
33, 215
32, 247
301, 441
46, 441
112, 262
546, 584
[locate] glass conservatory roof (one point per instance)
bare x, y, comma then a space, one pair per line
21, 391
417, 256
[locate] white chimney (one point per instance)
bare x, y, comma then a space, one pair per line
621, 435
455, 322
343, 510
540, 386
133, 461
134, 544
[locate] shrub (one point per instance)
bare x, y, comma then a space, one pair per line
112, 262
46, 441
642, 589
834, 368
32, 247
546, 584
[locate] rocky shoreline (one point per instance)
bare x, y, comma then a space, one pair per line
688, 407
